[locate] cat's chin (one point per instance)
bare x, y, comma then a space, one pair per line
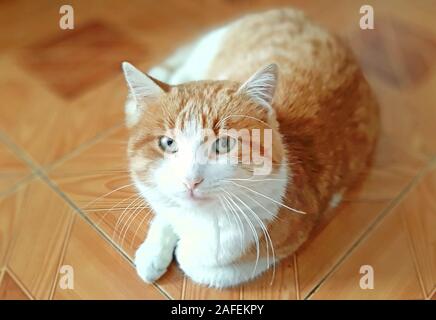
190, 200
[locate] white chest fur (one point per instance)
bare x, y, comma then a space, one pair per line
220, 233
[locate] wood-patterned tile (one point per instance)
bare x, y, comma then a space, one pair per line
98, 182
194, 291
17, 18
43, 67
36, 250
397, 58
9, 290
12, 169
331, 243
418, 210
42, 19
47, 127
417, 16
9, 222
100, 272
420, 104
86, 56
400, 54
388, 253
393, 167
282, 286
33, 117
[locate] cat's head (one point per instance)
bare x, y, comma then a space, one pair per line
192, 143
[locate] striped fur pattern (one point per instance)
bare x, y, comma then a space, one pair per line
275, 72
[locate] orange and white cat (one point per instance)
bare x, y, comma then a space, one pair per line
273, 72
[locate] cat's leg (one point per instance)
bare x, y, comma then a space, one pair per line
155, 254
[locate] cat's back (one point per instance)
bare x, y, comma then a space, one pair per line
312, 61
284, 36
325, 108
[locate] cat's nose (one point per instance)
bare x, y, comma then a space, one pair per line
191, 184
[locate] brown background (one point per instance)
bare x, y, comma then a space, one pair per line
62, 145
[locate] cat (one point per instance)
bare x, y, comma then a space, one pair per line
275, 72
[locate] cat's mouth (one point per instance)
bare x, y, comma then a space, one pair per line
195, 196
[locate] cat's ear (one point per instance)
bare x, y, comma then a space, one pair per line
262, 85
142, 87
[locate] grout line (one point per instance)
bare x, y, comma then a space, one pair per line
296, 277
17, 186
427, 170
183, 293
16, 228
2, 273
40, 173
82, 147
19, 283
22, 156
36, 167
432, 294
20, 153
161, 290
56, 189
413, 254
389, 208
62, 254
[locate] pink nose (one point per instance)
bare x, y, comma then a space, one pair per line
191, 184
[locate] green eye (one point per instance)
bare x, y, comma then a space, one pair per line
167, 144
223, 145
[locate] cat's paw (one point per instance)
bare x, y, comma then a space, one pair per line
150, 263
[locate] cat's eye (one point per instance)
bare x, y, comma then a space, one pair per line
167, 144
223, 144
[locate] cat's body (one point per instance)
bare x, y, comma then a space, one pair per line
324, 121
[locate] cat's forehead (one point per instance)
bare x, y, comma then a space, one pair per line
203, 105
194, 115
198, 105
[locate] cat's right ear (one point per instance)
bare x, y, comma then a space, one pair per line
143, 89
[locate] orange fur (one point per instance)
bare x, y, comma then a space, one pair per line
326, 116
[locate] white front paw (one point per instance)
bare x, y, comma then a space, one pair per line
151, 263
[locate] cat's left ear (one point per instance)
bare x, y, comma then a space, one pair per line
142, 87
262, 85
143, 90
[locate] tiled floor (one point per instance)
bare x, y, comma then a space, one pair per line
62, 148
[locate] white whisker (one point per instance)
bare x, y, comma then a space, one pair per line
242, 116
107, 194
268, 240
238, 221
253, 230
112, 208
131, 221
262, 195
137, 200
139, 227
